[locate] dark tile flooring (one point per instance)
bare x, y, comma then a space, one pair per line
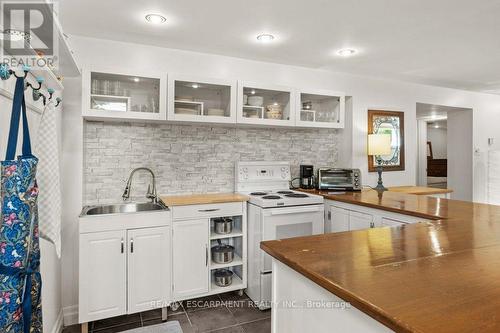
224, 313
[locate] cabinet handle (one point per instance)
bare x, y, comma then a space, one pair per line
131, 245
372, 225
209, 210
206, 255
122, 246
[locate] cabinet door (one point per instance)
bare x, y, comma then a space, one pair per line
386, 222
359, 221
339, 220
148, 268
103, 271
190, 258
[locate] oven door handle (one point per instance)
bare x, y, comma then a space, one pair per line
283, 211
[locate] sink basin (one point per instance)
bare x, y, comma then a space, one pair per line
122, 208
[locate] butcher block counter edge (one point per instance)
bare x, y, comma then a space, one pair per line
370, 309
201, 199
420, 190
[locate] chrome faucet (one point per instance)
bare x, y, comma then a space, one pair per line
151, 194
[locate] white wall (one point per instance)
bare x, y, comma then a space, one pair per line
367, 93
50, 265
437, 136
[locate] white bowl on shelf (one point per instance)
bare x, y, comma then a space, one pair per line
255, 100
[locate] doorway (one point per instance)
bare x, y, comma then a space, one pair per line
445, 149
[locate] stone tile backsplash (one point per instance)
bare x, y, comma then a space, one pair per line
190, 158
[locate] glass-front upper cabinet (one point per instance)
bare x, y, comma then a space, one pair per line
265, 104
201, 99
320, 108
113, 95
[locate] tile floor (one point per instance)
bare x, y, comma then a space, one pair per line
224, 313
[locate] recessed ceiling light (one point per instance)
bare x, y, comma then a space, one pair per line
347, 52
265, 38
195, 85
155, 18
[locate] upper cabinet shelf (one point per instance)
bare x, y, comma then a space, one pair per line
123, 96
201, 100
320, 108
263, 104
181, 98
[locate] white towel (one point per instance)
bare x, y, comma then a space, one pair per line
48, 178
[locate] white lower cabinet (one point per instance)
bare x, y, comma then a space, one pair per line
193, 237
190, 258
344, 217
358, 221
148, 268
123, 271
103, 272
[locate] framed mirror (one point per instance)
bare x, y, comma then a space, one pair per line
388, 122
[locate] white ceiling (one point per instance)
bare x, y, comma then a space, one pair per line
451, 43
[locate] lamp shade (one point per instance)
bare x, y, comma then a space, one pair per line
379, 144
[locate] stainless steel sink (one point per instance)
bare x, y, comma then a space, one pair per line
122, 208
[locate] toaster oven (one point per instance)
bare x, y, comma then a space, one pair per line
339, 179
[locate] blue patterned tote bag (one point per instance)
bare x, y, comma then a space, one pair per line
20, 281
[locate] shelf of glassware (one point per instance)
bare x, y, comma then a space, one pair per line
264, 104
119, 96
197, 99
320, 109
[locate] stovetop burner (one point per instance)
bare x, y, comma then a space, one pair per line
274, 197
296, 195
285, 192
258, 193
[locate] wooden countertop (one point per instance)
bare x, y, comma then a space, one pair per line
440, 276
420, 190
200, 199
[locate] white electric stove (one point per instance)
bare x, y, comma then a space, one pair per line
274, 212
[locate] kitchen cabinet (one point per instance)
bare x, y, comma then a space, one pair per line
148, 268
358, 220
124, 264
265, 104
193, 236
116, 95
190, 258
320, 108
192, 99
103, 272
345, 217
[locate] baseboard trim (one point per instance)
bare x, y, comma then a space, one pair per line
58, 325
70, 315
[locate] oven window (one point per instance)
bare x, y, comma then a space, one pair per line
340, 178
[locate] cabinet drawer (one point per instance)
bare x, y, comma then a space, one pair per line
210, 210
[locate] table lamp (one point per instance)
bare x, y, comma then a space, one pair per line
378, 145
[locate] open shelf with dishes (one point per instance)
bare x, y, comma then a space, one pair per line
201, 100
265, 104
320, 109
123, 96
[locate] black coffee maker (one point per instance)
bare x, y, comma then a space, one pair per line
306, 176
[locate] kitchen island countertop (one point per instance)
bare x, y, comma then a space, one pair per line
439, 276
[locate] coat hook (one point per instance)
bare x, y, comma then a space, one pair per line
58, 100
39, 80
37, 94
51, 92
